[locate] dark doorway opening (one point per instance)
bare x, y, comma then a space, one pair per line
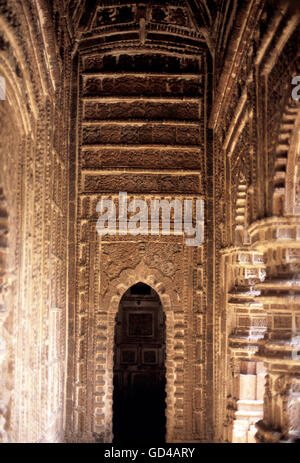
139, 399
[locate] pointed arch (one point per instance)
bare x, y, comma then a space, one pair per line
139, 362
169, 301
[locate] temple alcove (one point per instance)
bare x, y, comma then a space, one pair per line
139, 368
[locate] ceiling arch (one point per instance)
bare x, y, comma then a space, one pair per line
193, 16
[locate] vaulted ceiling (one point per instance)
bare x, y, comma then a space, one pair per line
199, 15
204, 10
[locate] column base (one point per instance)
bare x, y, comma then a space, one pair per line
266, 435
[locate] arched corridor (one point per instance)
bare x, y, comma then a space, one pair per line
157, 120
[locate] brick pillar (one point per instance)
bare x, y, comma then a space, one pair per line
246, 326
279, 239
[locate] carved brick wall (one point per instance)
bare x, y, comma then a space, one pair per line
141, 127
34, 182
255, 146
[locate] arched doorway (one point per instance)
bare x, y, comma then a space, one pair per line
139, 398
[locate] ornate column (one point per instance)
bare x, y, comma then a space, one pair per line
279, 240
4, 393
6, 379
3, 351
246, 326
7, 291
248, 315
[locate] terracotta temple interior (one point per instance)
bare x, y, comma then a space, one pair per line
141, 338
